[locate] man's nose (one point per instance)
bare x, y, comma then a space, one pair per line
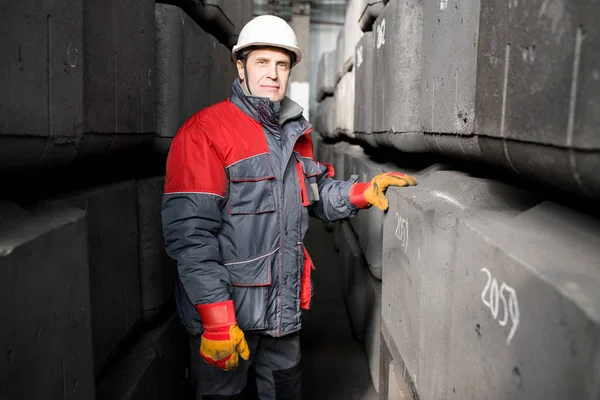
272, 72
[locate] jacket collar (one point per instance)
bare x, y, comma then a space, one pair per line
263, 110
289, 110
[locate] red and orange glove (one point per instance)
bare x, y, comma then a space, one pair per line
222, 342
365, 194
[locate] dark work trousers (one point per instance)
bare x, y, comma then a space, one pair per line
276, 365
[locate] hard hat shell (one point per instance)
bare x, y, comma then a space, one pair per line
268, 30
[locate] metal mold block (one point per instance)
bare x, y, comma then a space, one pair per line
326, 75
370, 11
46, 334
352, 32
397, 35
450, 31
364, 81
344, 106
157, 270
525, 321
420, 246
114, 262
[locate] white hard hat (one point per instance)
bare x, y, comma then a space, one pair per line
268, 30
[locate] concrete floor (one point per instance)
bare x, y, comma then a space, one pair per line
335, 365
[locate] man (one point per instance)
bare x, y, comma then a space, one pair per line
241, 182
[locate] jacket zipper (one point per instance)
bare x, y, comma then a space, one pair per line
282, 221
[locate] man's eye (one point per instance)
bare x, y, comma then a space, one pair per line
261, 61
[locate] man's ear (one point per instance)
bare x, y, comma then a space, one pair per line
240, 69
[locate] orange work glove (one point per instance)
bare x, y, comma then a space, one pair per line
222, 342
365, 194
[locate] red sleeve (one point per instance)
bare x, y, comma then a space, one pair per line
194, 164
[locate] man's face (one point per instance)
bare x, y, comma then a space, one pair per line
268, 72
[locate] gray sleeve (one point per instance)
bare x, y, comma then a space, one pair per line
191, 222
334, 198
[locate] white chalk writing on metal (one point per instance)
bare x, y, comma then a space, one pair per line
381, 34
402, 231
359, 56
510, 307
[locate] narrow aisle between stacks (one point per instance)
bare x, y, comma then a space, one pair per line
334, 364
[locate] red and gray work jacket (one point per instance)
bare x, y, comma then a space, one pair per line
241, 182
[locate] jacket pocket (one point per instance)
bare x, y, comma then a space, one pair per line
308, 172
251, 186
250, 280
